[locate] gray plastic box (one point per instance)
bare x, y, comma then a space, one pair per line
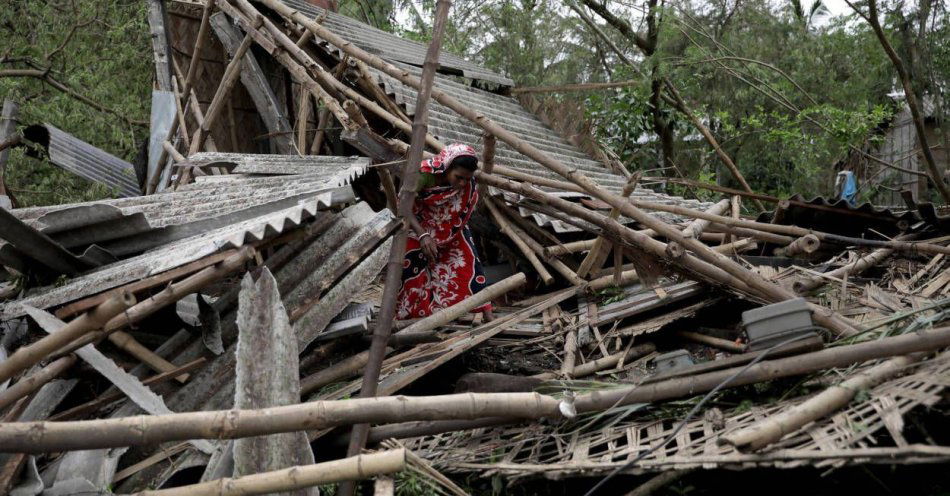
769, 325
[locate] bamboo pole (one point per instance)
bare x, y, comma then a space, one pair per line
723, 344
570, 353
341, 370
719, 221
771, 429
805, 244
538, 250
839, 356
27, 385
853, 268
528, 253
598, 252
40, 437
165, 297
303, 116
407, 196
736, 213
31, 354
448, 314
126, 342
293, 478
768, 237
603, 363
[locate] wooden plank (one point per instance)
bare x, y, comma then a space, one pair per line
157, 20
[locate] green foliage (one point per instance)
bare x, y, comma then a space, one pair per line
107, 59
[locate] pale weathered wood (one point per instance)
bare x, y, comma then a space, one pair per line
35, 381
265, 336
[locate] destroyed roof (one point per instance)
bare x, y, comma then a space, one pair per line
179, 227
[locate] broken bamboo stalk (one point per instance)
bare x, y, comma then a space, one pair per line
598, 252
407, 197
570, 353
627, 277
697, 226
525, 250
604, 363
126, 342
31, 354
448, 314
772, 428
736, 212
27, 385
853, 268
805, 244
538, 250
165, 297
300, 477
777, 239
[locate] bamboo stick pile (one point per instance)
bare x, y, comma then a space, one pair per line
255, 336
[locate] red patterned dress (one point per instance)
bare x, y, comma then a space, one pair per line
430, 285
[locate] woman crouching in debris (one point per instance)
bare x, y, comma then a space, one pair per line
441, 266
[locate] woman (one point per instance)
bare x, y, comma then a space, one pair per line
441, 266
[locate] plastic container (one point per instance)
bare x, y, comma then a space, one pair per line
769, 325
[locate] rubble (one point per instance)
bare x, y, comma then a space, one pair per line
237, 299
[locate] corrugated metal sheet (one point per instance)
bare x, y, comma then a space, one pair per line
839, 217
85, 160
394, 48
269, 206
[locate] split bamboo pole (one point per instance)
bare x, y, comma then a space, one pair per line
347, 367
41, 437
598, 252
448, 314
528, 253
32, 354
771, 429
805, 244
165, 297
762, 288
407, 196
27, 385
300, 477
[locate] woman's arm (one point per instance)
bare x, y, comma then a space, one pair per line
429, 246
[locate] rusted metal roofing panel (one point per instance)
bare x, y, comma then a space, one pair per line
839, 217
392, 47
85, 160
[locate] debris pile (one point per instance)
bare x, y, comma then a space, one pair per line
219, 325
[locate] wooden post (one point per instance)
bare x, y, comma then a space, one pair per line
407, 196
34, 353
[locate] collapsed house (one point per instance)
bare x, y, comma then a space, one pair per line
249, 277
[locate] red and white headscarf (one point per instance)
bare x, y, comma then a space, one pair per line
441, 162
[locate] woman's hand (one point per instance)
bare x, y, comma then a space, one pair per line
430, 248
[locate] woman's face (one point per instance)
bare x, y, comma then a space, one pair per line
458, 177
